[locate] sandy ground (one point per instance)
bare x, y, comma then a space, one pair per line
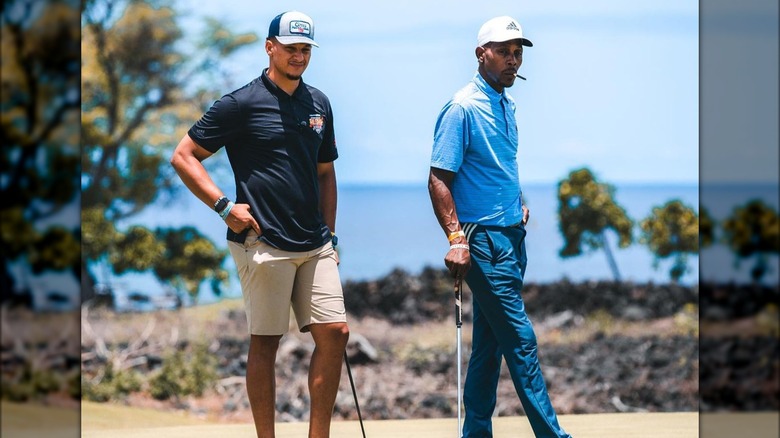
102, 421
635, 425
644, 425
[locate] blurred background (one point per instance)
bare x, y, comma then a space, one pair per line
622, 204
612, 92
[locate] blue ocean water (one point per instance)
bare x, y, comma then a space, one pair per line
382, 228
386, 227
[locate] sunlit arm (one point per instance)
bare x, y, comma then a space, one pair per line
458, 261
187, 161
326, 173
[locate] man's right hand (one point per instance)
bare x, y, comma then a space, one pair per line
240, 218
458, 261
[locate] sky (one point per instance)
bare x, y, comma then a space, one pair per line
612, 85
739, 109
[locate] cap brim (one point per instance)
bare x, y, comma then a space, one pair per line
296, 40
523, 41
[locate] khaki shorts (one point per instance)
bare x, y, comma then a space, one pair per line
273, 280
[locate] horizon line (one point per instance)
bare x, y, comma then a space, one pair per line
534, 183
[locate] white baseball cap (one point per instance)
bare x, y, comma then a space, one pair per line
292, 27
500, 29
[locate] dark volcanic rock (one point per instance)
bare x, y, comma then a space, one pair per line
403, 298
598, 373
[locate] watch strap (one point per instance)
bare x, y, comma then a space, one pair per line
221, 203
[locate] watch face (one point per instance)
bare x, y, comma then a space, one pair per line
220, 205
335, 240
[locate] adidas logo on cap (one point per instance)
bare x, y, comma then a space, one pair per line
500, 29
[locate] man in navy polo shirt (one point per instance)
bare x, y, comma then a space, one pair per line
476, 196
278, 135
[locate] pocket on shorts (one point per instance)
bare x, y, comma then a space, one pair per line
326, 251
252, 239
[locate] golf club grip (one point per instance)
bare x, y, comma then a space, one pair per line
458, 304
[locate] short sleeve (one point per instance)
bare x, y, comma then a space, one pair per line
218, 126
450, 138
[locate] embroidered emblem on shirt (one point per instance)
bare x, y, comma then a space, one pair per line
512, 26
301, 27
316, 122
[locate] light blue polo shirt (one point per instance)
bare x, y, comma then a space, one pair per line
476, 137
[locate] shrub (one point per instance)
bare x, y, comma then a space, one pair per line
30, 383
113, 384
181, 376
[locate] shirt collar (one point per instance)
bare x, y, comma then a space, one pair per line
273, 88
483, 86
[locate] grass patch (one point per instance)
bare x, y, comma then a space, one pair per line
104, 416
212, 312
602, 323
29, 419
190, 323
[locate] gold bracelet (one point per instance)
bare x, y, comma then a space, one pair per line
454, 235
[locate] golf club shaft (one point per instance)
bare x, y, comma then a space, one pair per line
354, 393
458, 325
460, 391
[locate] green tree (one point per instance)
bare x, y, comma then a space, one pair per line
672, 230
40, 136
706, 228
587, 209
753, 230
143, 85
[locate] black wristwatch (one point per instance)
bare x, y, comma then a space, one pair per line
221, 204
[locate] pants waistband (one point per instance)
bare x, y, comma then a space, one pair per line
469, 227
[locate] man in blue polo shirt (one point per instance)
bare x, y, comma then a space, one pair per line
476, 196
278, 135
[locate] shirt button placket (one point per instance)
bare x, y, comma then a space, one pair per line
506, 116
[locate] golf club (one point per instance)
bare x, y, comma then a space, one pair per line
458, 324
354, 393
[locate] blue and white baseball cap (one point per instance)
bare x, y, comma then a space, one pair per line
500, 29
292, 27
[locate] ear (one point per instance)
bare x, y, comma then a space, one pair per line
268, 46
480, 52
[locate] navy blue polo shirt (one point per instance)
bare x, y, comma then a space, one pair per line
274, 142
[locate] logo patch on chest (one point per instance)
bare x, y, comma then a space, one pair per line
316, 122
